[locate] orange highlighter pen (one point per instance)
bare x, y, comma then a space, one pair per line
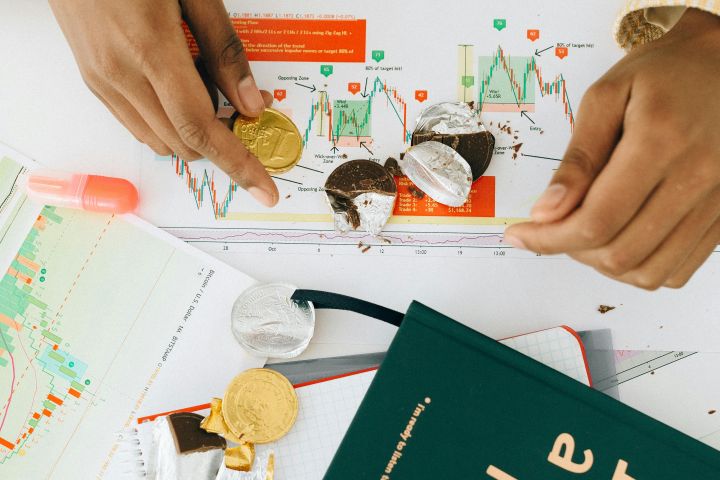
86, 192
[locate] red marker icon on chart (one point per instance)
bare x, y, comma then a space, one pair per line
280, 95
561, 52
533, 34
421, 95
353, 87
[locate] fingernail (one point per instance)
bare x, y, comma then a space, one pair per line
550, 200
262, 196
514, 241
250, 98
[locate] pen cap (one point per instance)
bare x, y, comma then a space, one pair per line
86, 192
60, 189
109, 194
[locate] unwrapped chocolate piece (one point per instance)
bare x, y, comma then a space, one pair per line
457, 126
189, 437
163, 462
362, 195
391, 165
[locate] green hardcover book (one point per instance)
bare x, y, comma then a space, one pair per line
450, 403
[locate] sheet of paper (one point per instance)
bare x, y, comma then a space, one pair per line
101, 317
677, 388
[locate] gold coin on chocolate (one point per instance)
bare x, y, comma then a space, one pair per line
260, 405
273, 138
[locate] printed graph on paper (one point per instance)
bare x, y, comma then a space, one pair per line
354, 91
76, 358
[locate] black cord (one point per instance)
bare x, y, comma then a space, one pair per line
336, 301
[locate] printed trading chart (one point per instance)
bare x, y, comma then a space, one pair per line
354, 77
93, 309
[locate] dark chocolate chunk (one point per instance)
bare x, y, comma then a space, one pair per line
476, 148
392, 166
354, 178
360, 176
189, 437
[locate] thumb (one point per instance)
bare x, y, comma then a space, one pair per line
224, 54
597, 129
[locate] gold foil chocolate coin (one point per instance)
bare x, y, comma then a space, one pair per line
273, 138
260, 405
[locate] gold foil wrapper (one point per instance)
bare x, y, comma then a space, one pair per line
270, 473
260, 405
240, 458
215, 423
273, 138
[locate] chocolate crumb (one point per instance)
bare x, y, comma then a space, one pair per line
712, 412
364, 250
652, 373
416, 192
288, 196
344, 156
605, 308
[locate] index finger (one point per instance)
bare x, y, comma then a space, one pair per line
184, 98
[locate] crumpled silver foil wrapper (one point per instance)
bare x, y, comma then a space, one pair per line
449, 118
374, 210
166, 464
439, 171
259, 470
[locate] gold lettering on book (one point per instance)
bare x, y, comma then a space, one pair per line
405, 437
562, 453
498, 474
621, 471
561, 456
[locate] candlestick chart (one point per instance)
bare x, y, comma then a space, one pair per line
32, 353
507, 84
66, 336
348, 122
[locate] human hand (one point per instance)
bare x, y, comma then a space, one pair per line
134, 57
637, 195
